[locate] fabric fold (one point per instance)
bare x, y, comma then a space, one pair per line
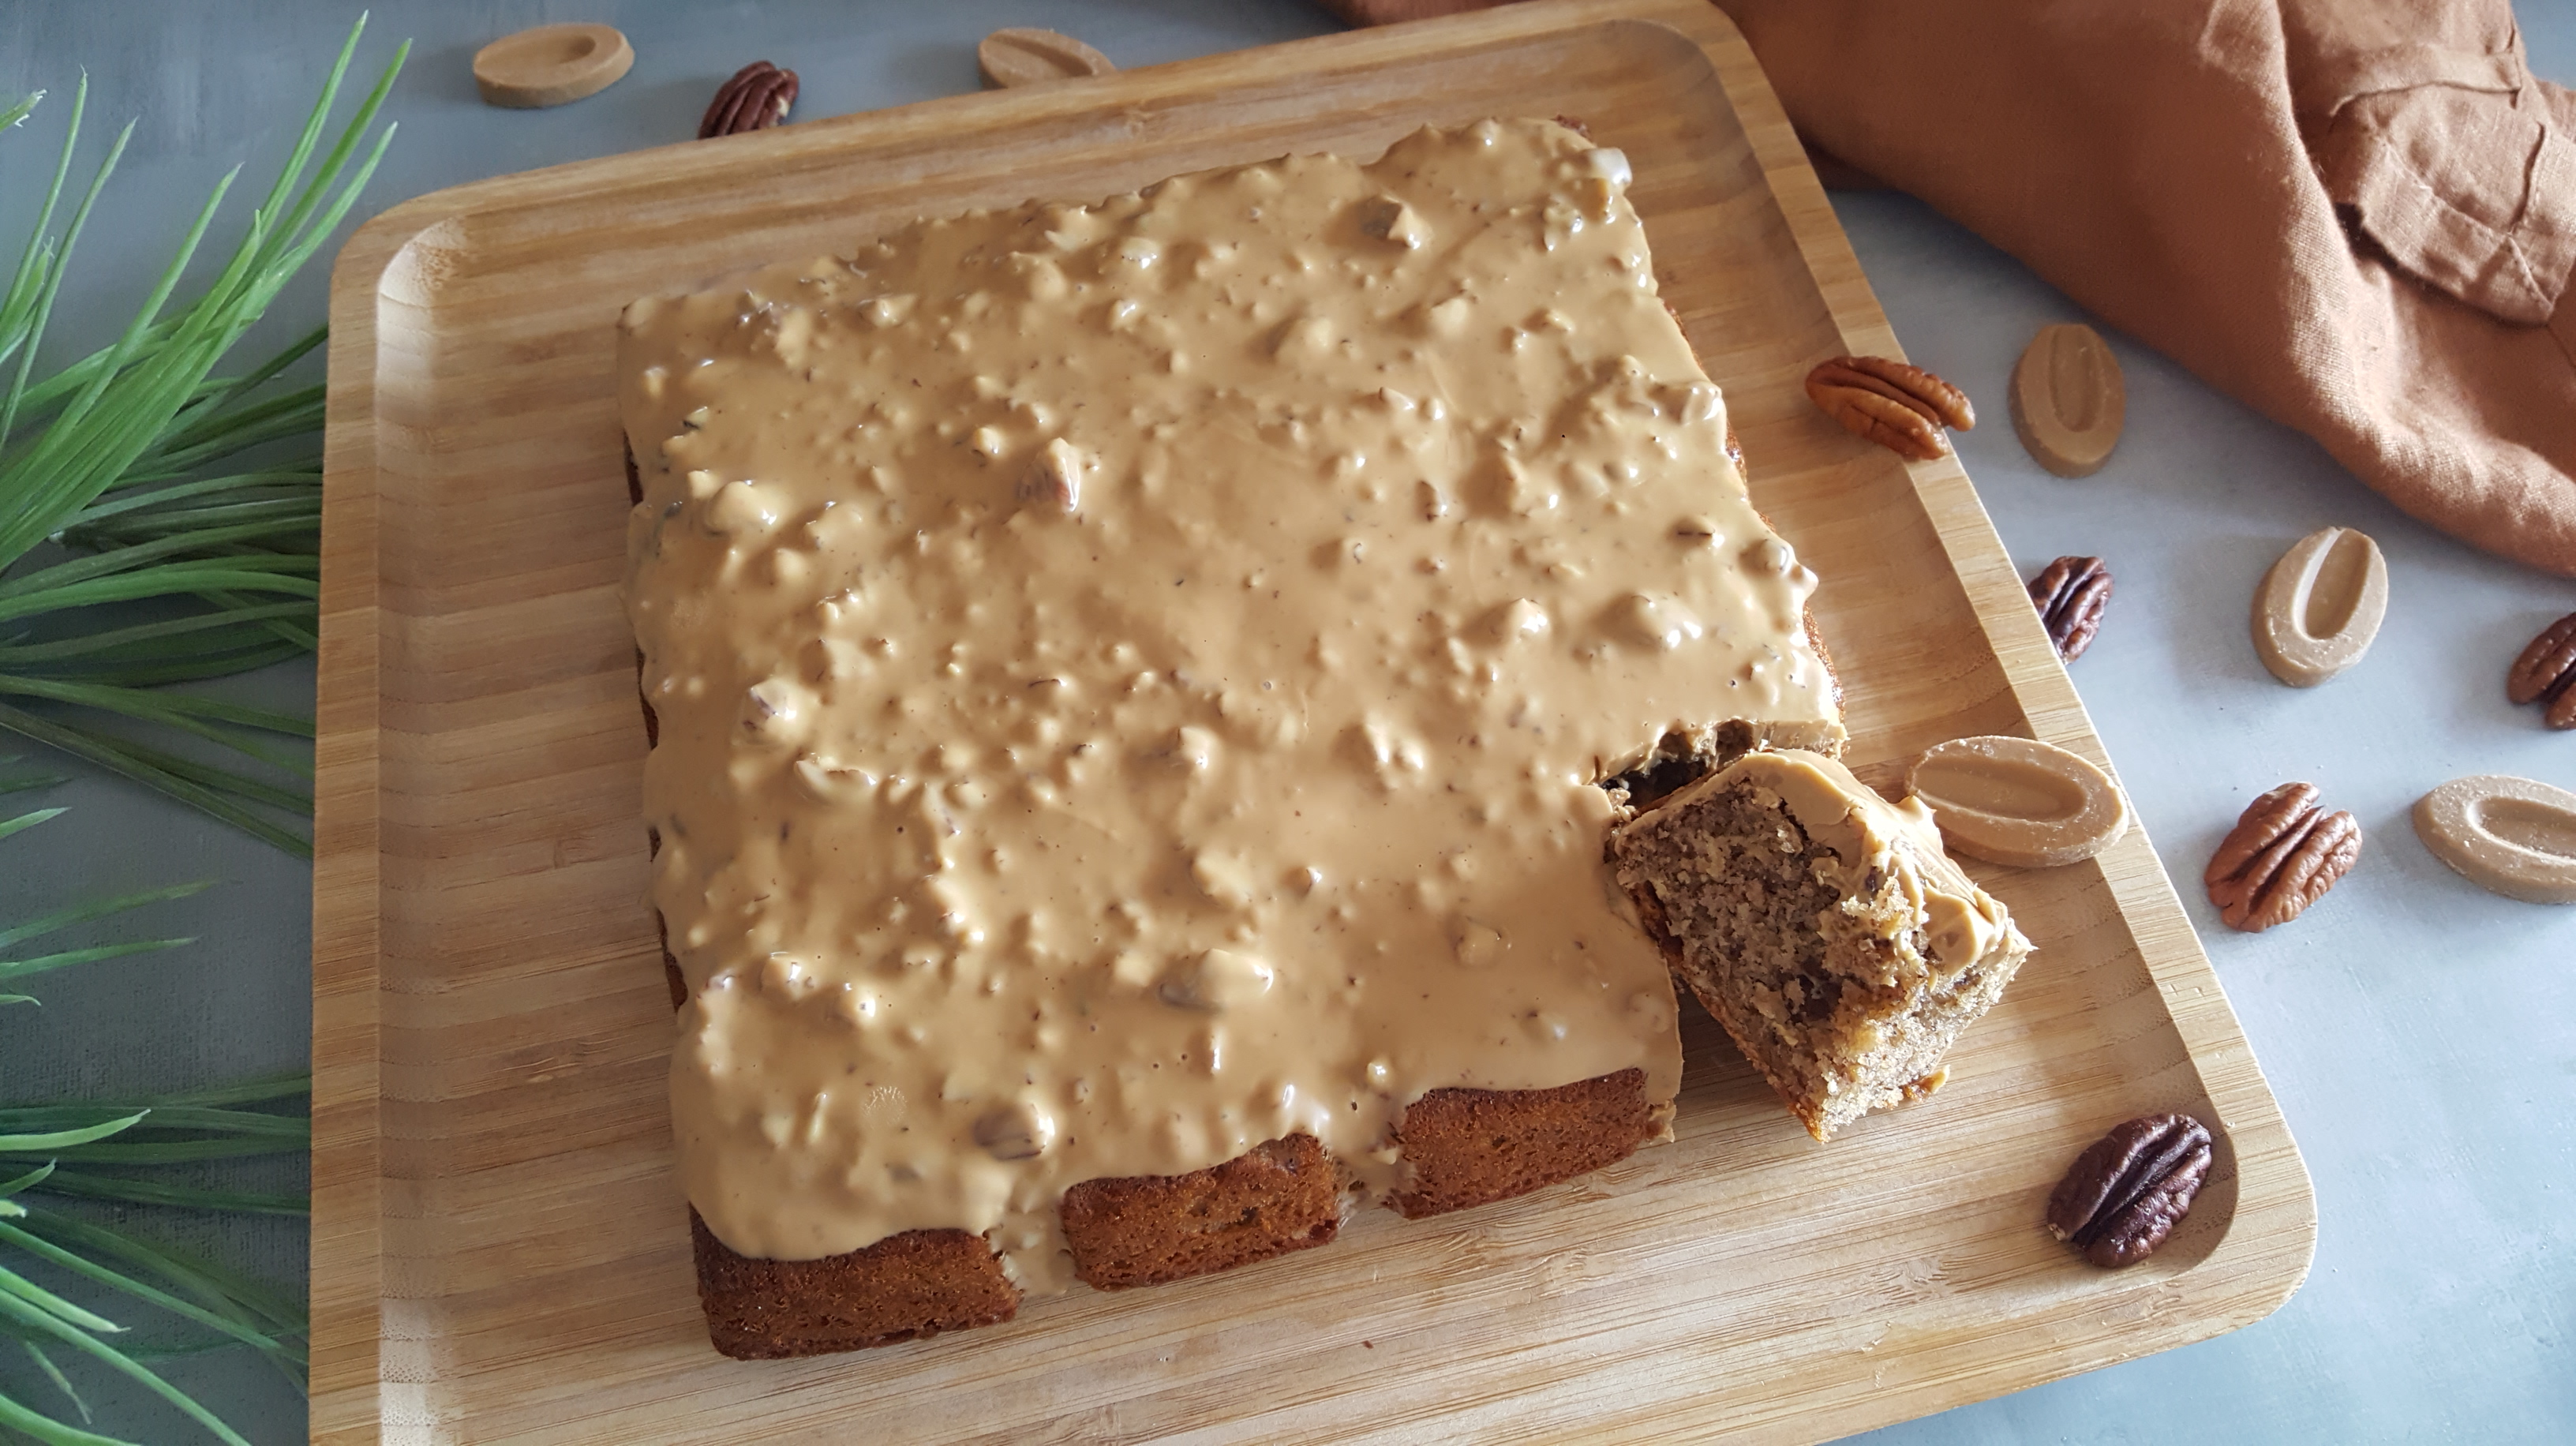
2356, 216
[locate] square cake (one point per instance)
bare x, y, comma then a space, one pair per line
1136, 693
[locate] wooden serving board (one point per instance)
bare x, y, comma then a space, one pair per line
499, 1248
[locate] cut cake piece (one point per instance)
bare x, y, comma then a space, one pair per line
1822, 925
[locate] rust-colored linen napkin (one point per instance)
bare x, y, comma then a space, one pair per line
2357, 216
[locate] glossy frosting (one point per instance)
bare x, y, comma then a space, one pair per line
1133, 679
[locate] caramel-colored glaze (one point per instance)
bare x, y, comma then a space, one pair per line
1134, 679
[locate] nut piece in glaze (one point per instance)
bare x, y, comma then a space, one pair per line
2510, 836
2125, 1194
2070, 595
2068, 402
1025, 55
2282, 856
1216, 980
1054, 480
2546, 673
2320, 606
551, 65
1016, 1131
1900, 407
2018, 801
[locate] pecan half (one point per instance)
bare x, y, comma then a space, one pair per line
757, 97
1902, 408
2070, 594
2546, 673
2282, 856
2130, 1188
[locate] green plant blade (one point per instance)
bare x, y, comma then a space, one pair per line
259, 1089
169, 1152
82, 913
32, 1177
217, 1288
153, 1192
209, 790
64, 1139
11, 1305
13, 969
62, 1383
20, 1288
48, 1430
253, 1124
26, 821
54, 283
88, 1269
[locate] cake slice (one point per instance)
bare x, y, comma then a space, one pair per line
1822, 925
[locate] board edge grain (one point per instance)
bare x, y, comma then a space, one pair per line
346, 1377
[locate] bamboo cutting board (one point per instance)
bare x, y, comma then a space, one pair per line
499, 1247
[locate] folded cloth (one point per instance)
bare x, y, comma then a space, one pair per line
2356, 216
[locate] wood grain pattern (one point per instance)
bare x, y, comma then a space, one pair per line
500, 1251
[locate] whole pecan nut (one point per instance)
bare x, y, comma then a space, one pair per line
1902, 408
2282, 856
2546, 673
2125, 1194
758, 96
2070, 594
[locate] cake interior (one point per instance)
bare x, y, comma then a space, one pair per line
1833, 995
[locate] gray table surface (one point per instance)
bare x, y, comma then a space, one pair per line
2417, 1031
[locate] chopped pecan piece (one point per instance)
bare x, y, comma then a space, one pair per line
2282, 856
758, 96
2546, 673
2129, 1189
1902, 408
2070, 594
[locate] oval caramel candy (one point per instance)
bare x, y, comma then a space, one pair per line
2019, 801
551, 65
2320, 606
2511, 836
1025, 55
2068, 402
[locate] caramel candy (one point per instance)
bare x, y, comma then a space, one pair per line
551, 65
2068, 402
1024, 55
2320, 606
2510, 836
2018, 801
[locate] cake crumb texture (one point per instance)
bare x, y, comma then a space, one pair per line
904, 1287
1278, 1196
1822, 926
1472, 1147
